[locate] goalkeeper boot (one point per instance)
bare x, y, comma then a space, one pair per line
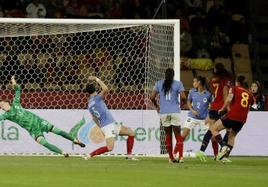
223, 153
200, 155
81, 144
87, 157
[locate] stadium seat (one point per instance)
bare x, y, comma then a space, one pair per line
240, 51
226, 62
187, 79
242, 65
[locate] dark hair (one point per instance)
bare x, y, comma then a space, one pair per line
202, 80
220, 70
90, 88
242, 81
259, 85
169, 76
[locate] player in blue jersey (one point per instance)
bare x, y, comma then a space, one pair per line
104, 119
198, 102
169, 109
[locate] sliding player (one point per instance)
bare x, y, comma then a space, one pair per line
104, 119
168, 90
220, 84
35, 125
238, 102
198, 102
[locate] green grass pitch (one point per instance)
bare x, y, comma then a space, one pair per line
116, 171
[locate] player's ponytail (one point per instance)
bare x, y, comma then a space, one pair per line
169, 76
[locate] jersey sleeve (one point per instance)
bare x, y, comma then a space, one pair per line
189, 98
181, 87
98, 98
2, 117
16, 99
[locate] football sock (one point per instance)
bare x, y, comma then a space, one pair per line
179, 144
205, 141
218, 138
231, 148
225, 138
99, 151
62, 133
169, 146
130, 143
50, 146
215, 147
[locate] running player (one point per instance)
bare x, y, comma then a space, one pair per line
104, 119
219, 84
35, 125
238, 102
198, 102
168, 90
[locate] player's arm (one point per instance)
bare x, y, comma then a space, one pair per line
153, 99
104, 88
225, 92
189, 104
228, 100
17, 90
183, 99
95, 119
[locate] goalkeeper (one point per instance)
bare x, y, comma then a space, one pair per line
35, 125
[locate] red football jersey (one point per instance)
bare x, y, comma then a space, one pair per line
240, 104
217, 85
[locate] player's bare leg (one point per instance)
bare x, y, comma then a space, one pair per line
125, 131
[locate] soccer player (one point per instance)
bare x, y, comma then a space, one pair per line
219, 84
237, 103
35, 125
104, 119
168, 90
198, 102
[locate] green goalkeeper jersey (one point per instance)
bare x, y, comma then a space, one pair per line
19, 115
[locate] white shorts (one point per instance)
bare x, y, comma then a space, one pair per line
111, 130
170, 119
191, 123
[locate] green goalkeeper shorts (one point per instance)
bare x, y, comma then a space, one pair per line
40, 128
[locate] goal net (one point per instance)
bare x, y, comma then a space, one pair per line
52, 60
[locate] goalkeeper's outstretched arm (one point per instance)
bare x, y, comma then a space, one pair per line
17, 90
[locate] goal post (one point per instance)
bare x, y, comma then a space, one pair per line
52, 59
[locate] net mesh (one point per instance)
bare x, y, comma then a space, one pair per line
53, 61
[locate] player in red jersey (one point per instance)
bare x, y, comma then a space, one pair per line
219, 85
237, 103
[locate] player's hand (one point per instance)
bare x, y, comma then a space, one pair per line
92, 78
13, 81
221, 111
195, 113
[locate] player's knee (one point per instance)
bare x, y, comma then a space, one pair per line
131, 132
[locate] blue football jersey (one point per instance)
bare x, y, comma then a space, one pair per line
169, 103
200, 103
98, 108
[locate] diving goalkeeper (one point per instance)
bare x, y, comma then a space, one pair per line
35, 125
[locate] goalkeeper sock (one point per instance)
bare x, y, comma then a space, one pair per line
62, 133
130, 143
179, 144
215, 147
169, 146
205, 141
50, 146
99, 151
